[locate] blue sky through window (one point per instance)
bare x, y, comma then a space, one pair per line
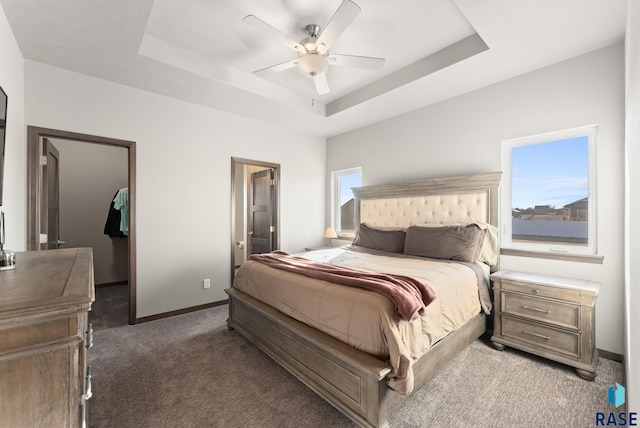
554, 173
347, 181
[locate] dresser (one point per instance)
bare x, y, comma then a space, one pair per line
549, 316
44, 337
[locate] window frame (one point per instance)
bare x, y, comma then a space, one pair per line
335, 201
506, 242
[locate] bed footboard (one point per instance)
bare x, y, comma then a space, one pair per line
352, 381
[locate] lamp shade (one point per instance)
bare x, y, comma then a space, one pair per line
330, 233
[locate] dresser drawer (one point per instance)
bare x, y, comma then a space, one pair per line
41, 332
565, 294
564, 342
549, 311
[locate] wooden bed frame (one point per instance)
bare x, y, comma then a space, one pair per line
352, 381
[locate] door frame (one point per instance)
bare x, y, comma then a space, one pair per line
35, 193
239, 163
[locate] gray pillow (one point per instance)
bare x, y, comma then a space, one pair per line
391, 241
461, 243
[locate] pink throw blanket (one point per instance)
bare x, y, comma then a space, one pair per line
409, 296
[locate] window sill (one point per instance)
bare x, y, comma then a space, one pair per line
582, 258
346, 237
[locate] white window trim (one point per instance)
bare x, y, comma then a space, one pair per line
591, 131
335, 200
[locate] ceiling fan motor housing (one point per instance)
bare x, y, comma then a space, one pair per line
313, 30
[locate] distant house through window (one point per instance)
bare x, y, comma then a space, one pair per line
548, 193
343, 202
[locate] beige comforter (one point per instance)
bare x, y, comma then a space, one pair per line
364, 319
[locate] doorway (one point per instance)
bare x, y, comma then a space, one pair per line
255, 207
40, 175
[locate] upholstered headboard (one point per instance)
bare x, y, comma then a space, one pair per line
406, 211
450, 200
438, 201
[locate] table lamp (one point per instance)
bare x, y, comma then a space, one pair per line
330, 234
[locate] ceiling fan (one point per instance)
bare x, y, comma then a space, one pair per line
313, 51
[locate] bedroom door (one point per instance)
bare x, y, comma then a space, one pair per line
255, 207
51, 196
261, 224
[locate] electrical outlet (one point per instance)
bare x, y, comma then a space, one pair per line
206, 283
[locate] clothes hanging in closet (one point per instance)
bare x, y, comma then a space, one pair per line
117, 224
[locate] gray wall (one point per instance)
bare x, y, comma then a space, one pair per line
183, 178
90, 175
463, 135
12, 82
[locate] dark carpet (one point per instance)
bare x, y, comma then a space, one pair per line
191, 371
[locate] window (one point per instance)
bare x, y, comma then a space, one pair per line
343, 205
549, 192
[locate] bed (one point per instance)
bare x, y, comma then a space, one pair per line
363, 383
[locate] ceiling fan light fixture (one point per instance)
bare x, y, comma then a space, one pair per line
309, 45
313, 64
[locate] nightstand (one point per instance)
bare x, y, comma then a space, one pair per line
548, 316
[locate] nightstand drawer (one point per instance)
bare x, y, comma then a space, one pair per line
548, 311
568, 295
547, 337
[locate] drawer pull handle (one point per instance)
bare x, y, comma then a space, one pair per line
89, 334
87, 386
544, 311
536, 291
541, 336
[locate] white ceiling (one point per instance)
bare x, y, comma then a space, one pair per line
202, 52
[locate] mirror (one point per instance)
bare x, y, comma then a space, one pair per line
3, 129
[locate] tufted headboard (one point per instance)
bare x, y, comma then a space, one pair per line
402, 212
450, 200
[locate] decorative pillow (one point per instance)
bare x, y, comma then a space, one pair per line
489, 249
391, 241
461, 243
489, 252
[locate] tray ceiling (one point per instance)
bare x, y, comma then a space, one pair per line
202, 52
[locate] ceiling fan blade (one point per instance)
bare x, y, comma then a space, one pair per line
260, 25
367, 62
339, 22
276, 68
322, 85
